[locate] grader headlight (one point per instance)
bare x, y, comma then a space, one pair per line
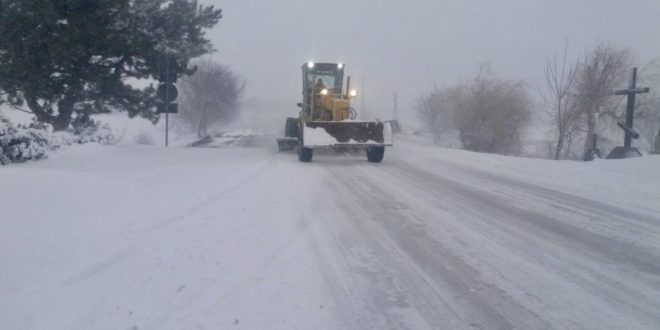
353, 93
324, 91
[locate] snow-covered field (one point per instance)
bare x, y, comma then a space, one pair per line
142, 237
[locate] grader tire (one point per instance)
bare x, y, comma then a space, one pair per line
305, 154
291, 128
375, 154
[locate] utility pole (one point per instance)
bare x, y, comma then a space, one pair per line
396, 106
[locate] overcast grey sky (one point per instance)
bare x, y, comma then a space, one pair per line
407, 46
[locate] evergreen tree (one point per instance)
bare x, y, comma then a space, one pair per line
66, 57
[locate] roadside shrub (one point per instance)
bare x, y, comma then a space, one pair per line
32, 142
491, 114
86, 130
19, 145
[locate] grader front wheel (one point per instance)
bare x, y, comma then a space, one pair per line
304, 154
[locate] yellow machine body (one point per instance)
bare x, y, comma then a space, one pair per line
327, 119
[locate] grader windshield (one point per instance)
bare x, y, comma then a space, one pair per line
318, 77
323, 75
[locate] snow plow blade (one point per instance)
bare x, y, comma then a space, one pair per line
287, 143
353, 134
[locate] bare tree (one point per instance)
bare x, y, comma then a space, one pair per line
491, 114
209, 96
601, 72
560, 103
436, 114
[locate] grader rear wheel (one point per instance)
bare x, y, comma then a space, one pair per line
375, 154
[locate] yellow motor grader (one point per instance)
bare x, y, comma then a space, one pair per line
327, 120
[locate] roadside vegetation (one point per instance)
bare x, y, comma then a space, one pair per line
577, 104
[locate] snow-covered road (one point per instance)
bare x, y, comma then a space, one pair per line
145, 238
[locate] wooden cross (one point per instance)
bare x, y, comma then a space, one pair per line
630, 108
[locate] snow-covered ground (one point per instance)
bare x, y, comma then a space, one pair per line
142, 237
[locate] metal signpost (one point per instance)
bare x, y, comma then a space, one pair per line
627, 150
167, 92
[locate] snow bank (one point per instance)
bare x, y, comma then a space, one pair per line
238, 138
633, 182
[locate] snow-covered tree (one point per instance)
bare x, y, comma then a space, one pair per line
21, 144
435, 111
603, 70
491, 114
60, 58
488, 113
209, 96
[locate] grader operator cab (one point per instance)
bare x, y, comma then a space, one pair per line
327, 120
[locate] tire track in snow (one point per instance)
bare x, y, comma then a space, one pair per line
595, 243
606, 275
372, 291
417, 270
